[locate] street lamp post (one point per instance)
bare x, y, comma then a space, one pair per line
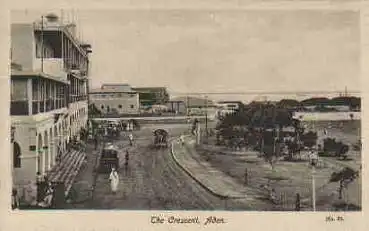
313, 162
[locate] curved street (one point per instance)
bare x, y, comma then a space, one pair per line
153, 180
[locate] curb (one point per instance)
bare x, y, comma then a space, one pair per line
220, 196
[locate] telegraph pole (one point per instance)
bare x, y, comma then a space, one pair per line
206, 117
313, 163
313, 186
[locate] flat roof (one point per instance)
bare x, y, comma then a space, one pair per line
98, 91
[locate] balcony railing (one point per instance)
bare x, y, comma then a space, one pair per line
75, 98
19, 107
47, 105
51, 66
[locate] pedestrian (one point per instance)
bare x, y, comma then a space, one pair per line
30, 193
39, 184
47, 200
246, 180
182, 140
15, 199
114, 180
130, 139
95, 142
298, 202
273, 196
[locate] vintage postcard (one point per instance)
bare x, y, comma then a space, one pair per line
164, 111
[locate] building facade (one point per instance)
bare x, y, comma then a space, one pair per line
177, 106
152, 95
48, 94
115, 99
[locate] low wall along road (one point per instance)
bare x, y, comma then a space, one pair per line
327, 116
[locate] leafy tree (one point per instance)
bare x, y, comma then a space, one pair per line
344, 178
93, 111
342, 151
338, 149
317, 101
288, 103
309, 139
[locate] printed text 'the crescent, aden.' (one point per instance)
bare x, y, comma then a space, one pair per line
186, 220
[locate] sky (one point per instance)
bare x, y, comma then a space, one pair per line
222, 50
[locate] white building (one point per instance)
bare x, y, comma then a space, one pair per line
116, 99
48, 94
227, 107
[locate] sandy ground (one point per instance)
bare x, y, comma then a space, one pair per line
296, 177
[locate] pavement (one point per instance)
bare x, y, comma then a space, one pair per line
215, 181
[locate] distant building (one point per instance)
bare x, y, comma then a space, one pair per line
228, 107
152, 95
115, 99
177, 106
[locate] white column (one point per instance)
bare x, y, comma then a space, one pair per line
198, 133
50, 153
43, 153
29, 96
52, 148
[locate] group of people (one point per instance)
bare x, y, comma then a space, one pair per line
45, 191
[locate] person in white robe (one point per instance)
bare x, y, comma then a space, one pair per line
114, 180
47, 201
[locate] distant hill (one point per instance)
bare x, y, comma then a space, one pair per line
193, 101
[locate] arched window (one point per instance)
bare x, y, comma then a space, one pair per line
102, 106
16, 155
120, 106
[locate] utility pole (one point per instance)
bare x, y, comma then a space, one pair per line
187, 107
313, 186
206, 117
313, 162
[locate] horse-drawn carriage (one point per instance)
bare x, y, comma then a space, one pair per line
109, 158
160, 138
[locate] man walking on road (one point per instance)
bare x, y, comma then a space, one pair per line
130, 139
246, 177
126, 161
114, 180
95, 141
181, 138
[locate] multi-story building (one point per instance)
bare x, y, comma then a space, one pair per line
115, 99
48, 94
152, 95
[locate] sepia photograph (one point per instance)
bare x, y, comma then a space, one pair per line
185, 109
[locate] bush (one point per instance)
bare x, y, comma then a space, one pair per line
332, 147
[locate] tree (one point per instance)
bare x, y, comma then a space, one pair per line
344, 177
309, 139
318, 101
342, 150
93, 111
288, 103
334, 148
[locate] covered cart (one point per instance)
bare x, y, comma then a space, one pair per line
160, 138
